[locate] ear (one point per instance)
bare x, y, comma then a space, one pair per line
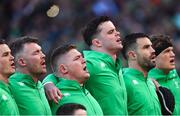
21, 62
96, 42
132, 55
63, 69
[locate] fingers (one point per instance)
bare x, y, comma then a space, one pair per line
59, 94
48, 90
48, 95
55, 95
52, 92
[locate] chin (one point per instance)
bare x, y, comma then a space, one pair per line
172, 67
43, 72
11, 71
120, 47
86, 76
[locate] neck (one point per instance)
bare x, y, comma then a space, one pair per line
34, 77
112, 54
137, 67
70, 78
166, 71
4, 78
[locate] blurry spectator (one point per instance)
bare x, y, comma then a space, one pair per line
24, 17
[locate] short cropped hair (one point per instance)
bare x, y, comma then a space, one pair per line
129, 42
58, 52
91, 29
69, 109
18, 45
160, 43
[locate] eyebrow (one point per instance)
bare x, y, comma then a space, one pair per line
111, 30
169, 49
38, 50
146, 46
78, 56
7, 52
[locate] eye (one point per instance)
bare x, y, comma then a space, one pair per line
146, 46
36, 52
5, 54
167, 51
111, 31
76, 58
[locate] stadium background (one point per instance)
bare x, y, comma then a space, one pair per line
29, 17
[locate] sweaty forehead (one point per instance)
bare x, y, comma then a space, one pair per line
69, 56
31, 47
4, 48
143, 41
72, 53
106, 26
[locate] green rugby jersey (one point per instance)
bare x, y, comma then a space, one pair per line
170, 81
74, 93
141, 92
7, 103
106, 82
29, 96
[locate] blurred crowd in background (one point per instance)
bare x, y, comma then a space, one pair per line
29, 17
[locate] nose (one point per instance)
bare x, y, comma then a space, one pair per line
117, 33
11, 57
152, 49
43, 55
83, 60
172, 53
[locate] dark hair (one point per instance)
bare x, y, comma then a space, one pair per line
91, 29
160, 43
129, 42
58, 52
69, 109
17, 45
2, 41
